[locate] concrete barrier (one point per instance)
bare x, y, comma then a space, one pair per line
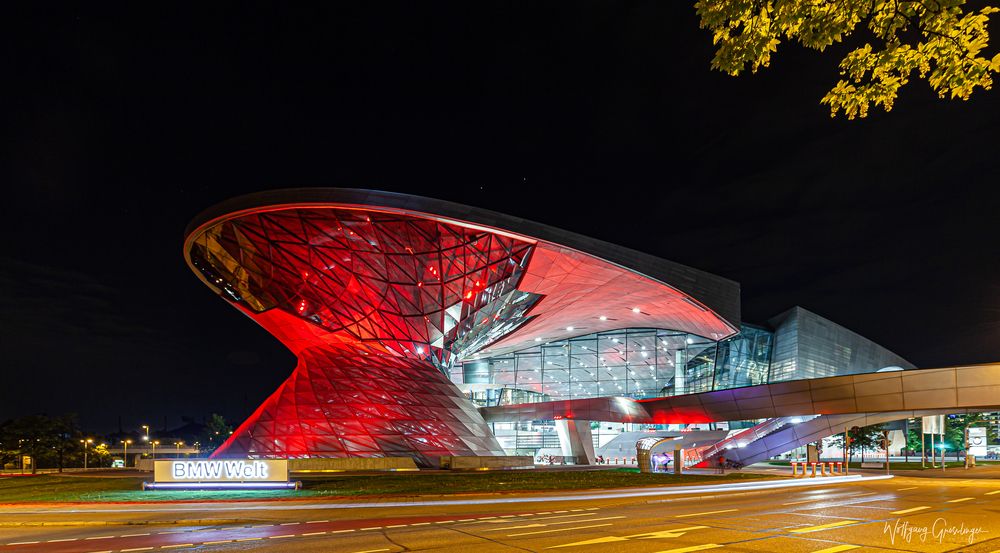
455, 462
318, 465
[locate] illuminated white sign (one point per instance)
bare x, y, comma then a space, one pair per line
215, 470
977, 441
221, 470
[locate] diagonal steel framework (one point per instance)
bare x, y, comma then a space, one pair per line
375, 305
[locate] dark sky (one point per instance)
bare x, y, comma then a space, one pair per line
599, 117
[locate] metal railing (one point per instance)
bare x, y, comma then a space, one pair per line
741, 438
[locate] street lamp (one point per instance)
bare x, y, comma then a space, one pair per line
154, 444
178, 445
125, 453
85, 442
145, 437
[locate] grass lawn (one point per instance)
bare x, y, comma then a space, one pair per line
77, 488
901, 465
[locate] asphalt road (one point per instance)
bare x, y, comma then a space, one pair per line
899, 514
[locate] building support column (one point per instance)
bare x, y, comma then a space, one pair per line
576, 441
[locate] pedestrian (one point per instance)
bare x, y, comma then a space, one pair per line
722, 464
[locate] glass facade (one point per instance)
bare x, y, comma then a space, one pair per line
635, 362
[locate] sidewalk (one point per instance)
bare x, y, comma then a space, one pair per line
984, 472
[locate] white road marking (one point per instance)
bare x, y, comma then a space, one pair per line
829, 526
706, 513
565, 516
558, 530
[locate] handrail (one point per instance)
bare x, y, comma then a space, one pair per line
740, 438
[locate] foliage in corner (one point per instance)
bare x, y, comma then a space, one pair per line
936, 39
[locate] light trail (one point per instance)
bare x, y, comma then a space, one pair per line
610, 494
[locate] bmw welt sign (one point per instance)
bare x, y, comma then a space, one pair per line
220, 470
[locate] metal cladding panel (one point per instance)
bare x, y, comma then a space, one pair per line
797, 435
890, 391
406, 285
809, 346
718, 294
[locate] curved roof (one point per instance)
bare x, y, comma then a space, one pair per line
720, 295
567, 284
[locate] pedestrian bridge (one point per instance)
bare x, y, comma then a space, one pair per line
974, 388
840, 401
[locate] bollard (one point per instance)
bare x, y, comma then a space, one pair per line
795, 469
822, 469
813, 475
840, 467
616, 460
633, 460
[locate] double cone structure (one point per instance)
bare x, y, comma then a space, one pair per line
378, 294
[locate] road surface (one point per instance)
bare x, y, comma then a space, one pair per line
898, 514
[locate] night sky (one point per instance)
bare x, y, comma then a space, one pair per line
598, 117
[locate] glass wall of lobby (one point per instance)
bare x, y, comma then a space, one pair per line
637, 363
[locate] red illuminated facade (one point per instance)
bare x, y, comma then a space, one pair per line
379, 294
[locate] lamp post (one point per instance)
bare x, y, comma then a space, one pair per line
125, 453
154, 444
145, 436
85, 442
177, 446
